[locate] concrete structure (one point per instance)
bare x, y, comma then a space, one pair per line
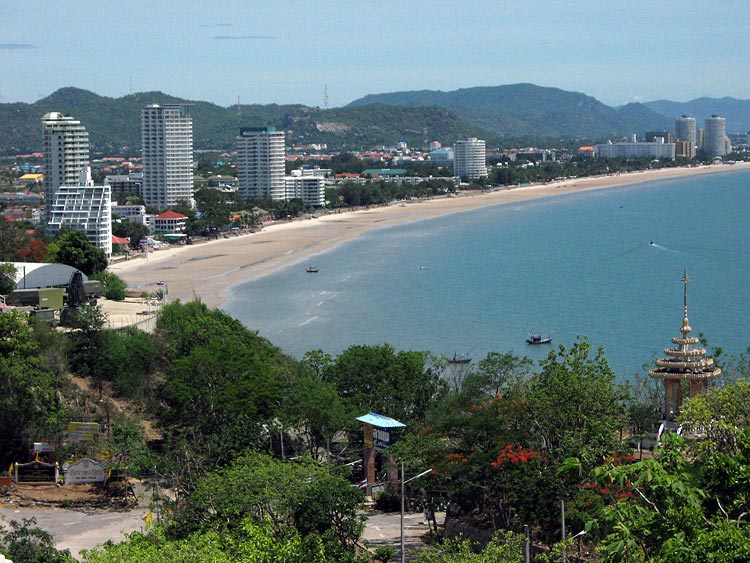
653, 136
685, 130
310, 189
167, 146
716, 136
260, 163
684, 363
170, 222
469, 159
685, 149
124, 185
132, 213
656, 149
86, 208
443, 157
66, 152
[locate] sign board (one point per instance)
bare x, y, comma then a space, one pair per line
43, 448
368, 436
85, 471
381, 438
35, 472
82, 432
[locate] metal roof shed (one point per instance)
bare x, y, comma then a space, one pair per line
31, 275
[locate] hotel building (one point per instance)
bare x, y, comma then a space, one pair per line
167, 146
715, 143
656, 149
86, 208
469, 159
260, 163
66, 152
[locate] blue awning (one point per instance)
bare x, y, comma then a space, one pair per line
380, 421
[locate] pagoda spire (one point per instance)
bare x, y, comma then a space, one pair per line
685, 362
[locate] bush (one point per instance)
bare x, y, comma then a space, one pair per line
388, 501
113, 286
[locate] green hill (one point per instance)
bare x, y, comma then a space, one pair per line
115, 122
529, 110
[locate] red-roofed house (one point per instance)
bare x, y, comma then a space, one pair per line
170, 222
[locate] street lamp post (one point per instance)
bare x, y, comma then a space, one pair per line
403, 482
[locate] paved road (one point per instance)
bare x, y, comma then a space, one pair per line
77, 530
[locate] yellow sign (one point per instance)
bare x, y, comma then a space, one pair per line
368, 435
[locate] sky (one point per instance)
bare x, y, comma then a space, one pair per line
294, 51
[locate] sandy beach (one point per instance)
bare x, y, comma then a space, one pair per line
207, 271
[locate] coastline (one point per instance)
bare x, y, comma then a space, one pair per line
209, 270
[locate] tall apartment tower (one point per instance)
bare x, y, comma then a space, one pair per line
470, 159
167, 148
715, 136
66, 153
685, 130
260, 163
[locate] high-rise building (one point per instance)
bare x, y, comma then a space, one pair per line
66, 153
167, 147
86, 208
686, 136
469, 159
309, 188
260, 163
715, 140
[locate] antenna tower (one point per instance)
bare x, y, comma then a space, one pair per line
325, 96
239, 107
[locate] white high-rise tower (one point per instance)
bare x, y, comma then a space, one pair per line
470, 159
260, 163
715, 143
167, 148
66, 153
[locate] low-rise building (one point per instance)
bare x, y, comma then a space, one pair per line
170, 222
657, 149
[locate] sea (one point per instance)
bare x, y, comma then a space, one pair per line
606, 265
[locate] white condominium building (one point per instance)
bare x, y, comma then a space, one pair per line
66, 152
715, 142
469, 159
655, 149
86, 208
260, 163
310, 189
167, 146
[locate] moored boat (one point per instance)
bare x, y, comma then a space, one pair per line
539, 339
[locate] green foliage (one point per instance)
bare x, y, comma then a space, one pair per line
505, 547
74, 249
114, 286
7, 278
29, 403
379, 379
24, 542
130, 230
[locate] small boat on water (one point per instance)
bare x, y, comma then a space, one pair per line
459, 359
312, 269
539, 339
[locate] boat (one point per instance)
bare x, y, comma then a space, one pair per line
539, 339
312, 269
459, 359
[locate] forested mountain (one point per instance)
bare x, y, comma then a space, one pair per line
530, 110
736, 112
115, 122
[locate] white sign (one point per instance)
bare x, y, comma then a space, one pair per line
85, 471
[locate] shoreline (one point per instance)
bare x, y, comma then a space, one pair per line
209, 271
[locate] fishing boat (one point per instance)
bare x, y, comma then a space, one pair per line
459, 359
312, 269
539, 339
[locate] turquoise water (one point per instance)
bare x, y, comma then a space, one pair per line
481, 281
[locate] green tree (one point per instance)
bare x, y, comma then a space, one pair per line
23, 541
114, 286
7, 278
74, 249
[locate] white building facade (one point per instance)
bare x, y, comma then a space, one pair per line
656, 149
715, 142
310, 189
86, 208
470, 159
167, 147
260, 163
66, 152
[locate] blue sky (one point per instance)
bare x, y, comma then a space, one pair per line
287, 51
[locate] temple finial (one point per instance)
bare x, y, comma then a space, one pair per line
685, 280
